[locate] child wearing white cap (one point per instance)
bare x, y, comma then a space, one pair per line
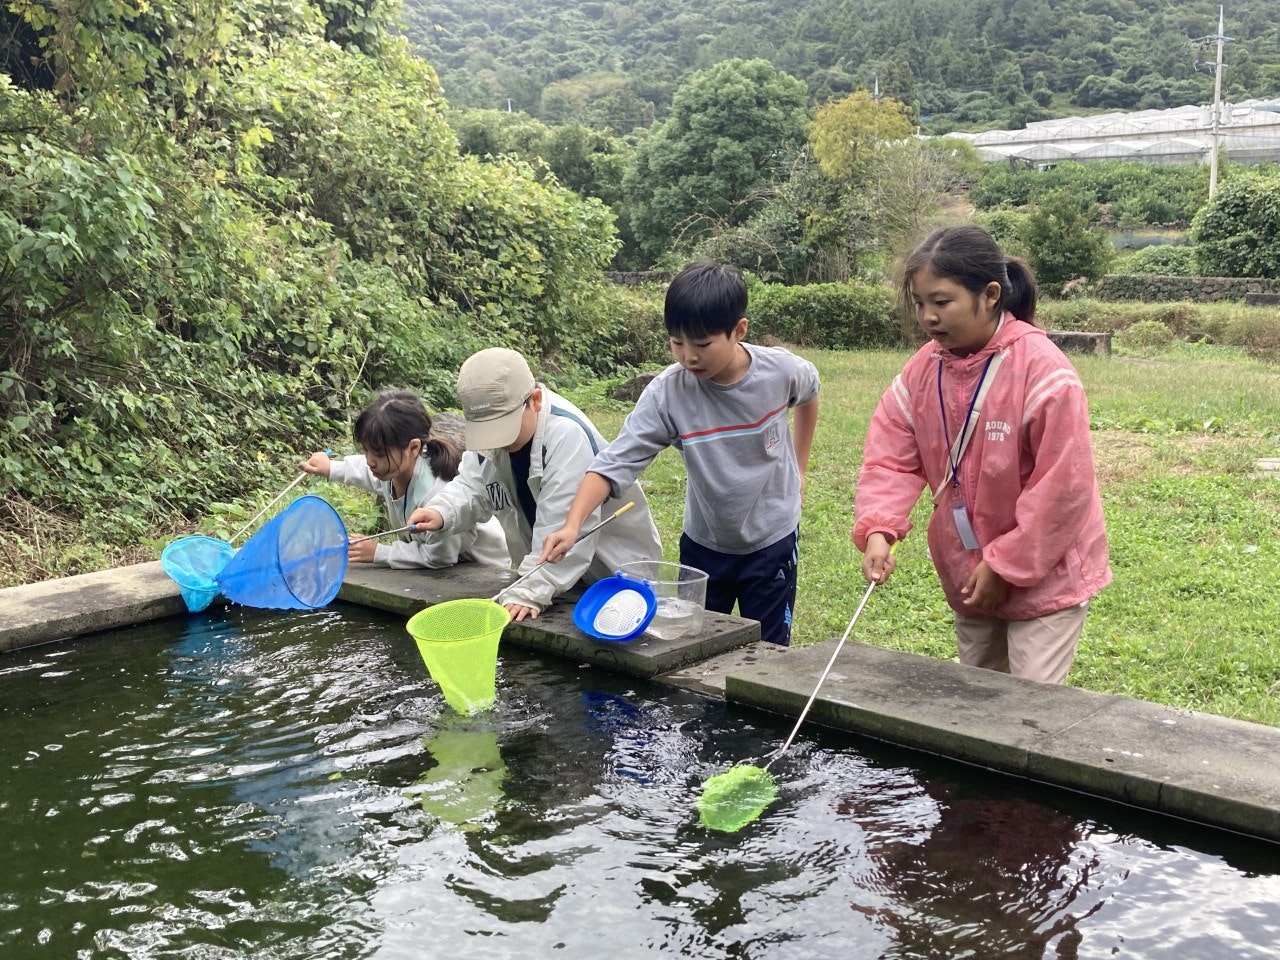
527, 450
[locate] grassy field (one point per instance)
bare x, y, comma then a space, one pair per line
1192, 618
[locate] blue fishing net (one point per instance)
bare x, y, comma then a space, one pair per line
295, 562
193, 563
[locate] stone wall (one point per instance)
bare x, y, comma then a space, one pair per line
1153, 289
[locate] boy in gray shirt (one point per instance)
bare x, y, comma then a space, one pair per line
724, 404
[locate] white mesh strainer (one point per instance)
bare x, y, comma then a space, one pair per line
615, 608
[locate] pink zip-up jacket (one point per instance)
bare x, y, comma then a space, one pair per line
1027, 476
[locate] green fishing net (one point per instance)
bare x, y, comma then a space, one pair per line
731, 800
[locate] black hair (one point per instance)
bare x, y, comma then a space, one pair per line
705, 298
969, 256
395, 419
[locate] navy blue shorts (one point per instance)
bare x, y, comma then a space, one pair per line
763, 583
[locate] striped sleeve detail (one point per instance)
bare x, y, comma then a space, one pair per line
1043, 389
902, 396
733, 430
586, 428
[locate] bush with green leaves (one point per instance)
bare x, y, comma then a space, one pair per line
1006, 227
1159, 261
1151, 193
1062, 244
1237, 233
835, 316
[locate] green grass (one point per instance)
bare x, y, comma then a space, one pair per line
1192, 618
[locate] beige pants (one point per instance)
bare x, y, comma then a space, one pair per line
1040, 649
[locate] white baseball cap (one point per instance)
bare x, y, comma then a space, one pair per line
493, 386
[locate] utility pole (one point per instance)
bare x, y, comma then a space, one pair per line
1219, 38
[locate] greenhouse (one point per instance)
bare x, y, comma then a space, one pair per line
1248, 132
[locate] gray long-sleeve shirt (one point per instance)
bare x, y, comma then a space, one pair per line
735, 440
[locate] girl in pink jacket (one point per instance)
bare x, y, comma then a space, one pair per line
992, 418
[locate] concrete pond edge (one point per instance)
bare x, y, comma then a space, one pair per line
1203, 768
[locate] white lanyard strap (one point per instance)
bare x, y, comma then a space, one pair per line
970, 423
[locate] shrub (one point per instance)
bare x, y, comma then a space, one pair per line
1237, 233
836, 316
1144, 338
1005, 226
1062, 245
1160, 261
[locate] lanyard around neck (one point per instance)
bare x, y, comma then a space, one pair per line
956, 451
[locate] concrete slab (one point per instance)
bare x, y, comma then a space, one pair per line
708, 677
978, 716
73, 606
554, 632
1192, 765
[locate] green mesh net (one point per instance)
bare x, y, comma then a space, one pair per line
731, 800
458, 641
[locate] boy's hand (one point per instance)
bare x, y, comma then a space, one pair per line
317, 464
556, 545
519, 611
362, 552
878, 562
424, 518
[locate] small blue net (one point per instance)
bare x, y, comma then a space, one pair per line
193, 563
295, 562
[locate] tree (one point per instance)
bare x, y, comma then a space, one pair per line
849, 134
714, 159
862, 146
1062, 245
1237, 233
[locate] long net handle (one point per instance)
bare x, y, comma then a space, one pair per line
297, 480
581, 536
830, 663
408, 528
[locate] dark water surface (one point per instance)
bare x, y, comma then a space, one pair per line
245, 784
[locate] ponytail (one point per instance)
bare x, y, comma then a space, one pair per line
443, 457
1020, 294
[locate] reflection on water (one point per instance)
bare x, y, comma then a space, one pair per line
247, 784
465, 785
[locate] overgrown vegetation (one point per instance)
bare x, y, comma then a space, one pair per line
1127, 192
224, 228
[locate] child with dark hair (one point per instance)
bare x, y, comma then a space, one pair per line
992, 418
404, 464
725, 406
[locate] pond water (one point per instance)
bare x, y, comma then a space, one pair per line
247, 784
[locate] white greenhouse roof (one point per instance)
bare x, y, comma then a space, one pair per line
1248, 131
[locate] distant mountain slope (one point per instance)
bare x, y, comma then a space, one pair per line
961, 62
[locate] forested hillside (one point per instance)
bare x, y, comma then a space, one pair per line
959, 63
